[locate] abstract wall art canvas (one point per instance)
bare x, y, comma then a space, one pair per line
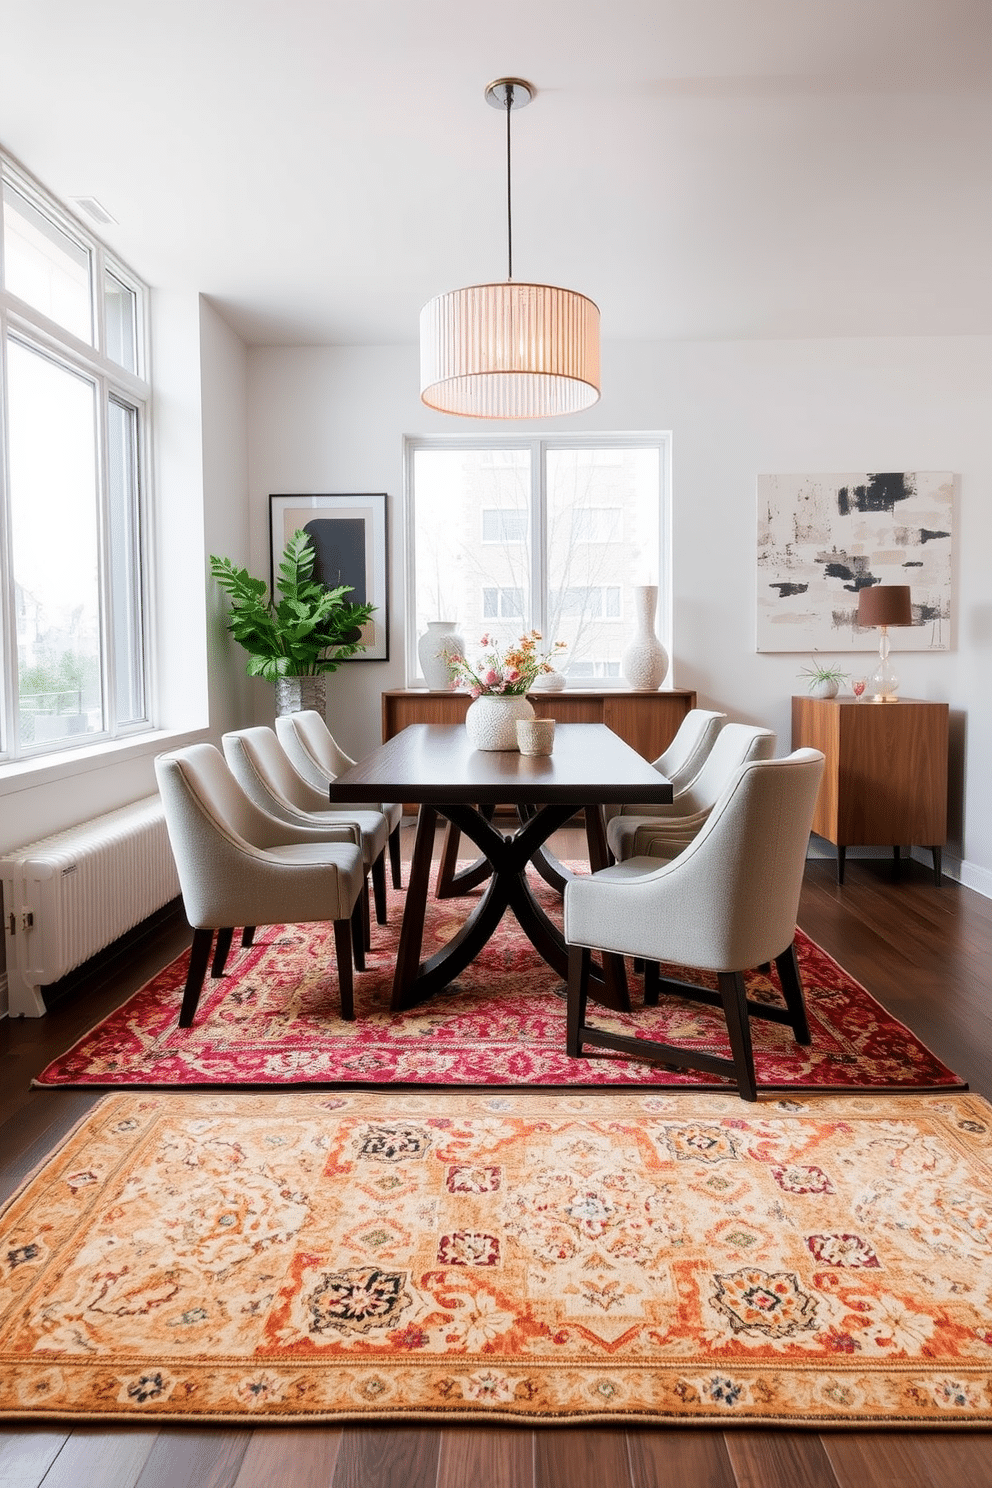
824, 538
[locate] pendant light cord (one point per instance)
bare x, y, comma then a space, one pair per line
509, 206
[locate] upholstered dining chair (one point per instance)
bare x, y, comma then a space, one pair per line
666, 830
268, 778
315, 754
238, 865
726, 904
682, 761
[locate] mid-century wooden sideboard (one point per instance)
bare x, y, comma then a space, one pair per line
885, 778
648, 721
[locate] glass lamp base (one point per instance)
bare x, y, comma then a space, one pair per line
884, 684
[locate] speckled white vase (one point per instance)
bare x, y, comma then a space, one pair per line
491, 721
644, 663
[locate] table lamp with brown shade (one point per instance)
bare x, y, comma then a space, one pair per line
884, 605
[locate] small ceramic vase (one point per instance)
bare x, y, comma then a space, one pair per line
491, 721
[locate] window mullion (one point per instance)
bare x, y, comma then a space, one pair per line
538, 541
107, 641
8, 619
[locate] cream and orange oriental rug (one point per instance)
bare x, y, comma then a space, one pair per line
582, 1257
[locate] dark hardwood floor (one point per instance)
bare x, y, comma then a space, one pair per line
923, 952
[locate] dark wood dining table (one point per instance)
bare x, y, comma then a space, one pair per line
434, 766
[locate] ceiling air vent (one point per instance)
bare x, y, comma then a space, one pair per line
94, 209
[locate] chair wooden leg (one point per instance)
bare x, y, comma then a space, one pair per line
733, 997
367, 915
792, 990
578, 992
650, 984
248, 936
224, 938
379, 887
198, 957
342, 952
358, 929
394, 857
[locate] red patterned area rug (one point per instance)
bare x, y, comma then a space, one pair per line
272, 1019
607, 1257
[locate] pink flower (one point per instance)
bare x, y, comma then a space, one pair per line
484, 641
475, 692
513, 674
490, 678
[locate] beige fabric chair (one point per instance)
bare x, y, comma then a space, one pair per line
687, 753
727, 903
240, 866
267, 777
315, 754
666, 830
682, 760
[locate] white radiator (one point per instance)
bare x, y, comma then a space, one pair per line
66, 897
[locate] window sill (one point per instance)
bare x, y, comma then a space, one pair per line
49, 768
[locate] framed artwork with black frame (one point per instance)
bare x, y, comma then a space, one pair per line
349, 538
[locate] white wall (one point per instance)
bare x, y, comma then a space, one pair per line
224, 383
332, 420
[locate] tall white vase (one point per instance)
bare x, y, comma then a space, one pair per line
439, 642
644, 663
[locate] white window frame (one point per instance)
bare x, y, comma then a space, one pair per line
33, 329
538, 446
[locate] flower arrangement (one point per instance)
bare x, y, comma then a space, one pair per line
508, 673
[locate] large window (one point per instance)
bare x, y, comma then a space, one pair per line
72, 415
516, 533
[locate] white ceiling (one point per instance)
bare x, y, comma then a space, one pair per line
700, 168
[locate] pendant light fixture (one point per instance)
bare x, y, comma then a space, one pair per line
509, 350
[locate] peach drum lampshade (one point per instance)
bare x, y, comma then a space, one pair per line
509, 350
884, 605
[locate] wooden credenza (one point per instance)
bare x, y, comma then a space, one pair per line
885, 777
648, 721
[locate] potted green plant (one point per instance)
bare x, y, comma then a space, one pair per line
823, 679
304, 634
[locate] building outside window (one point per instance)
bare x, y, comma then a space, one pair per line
73, 418
513, 533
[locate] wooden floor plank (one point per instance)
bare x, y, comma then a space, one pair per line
779, 1459
27, 1453
581, 1457
954, 1459
194, 1457
477, 1458
95, 1458
878, 1460
297, 1457
679, 1459
387, 1458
